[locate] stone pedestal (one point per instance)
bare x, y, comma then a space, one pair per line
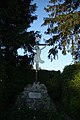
35, 96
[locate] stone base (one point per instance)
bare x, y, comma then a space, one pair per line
35, 96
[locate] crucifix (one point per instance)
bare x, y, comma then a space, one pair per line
37, 58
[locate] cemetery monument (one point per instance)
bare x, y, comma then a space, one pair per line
35, 96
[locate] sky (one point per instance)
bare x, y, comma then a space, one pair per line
62, 60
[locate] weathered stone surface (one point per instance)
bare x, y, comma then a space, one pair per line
35, 96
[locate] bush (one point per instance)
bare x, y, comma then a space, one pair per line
54, 85
71, 90
53, 82
12, 82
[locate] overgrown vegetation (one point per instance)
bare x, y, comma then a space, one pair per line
64, 89
71, 90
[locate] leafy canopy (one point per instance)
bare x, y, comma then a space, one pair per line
63, 23
15, 18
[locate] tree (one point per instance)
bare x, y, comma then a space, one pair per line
64, 25
15, 18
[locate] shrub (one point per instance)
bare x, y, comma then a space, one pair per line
71, 90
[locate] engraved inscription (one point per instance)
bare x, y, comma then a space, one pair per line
34, 95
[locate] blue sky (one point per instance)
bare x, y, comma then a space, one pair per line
36, 26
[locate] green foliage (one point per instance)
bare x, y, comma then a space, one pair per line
12, 82
63, 23
54, 85
71, 90
63, 88
15, 18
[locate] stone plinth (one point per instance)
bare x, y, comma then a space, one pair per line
35, 96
